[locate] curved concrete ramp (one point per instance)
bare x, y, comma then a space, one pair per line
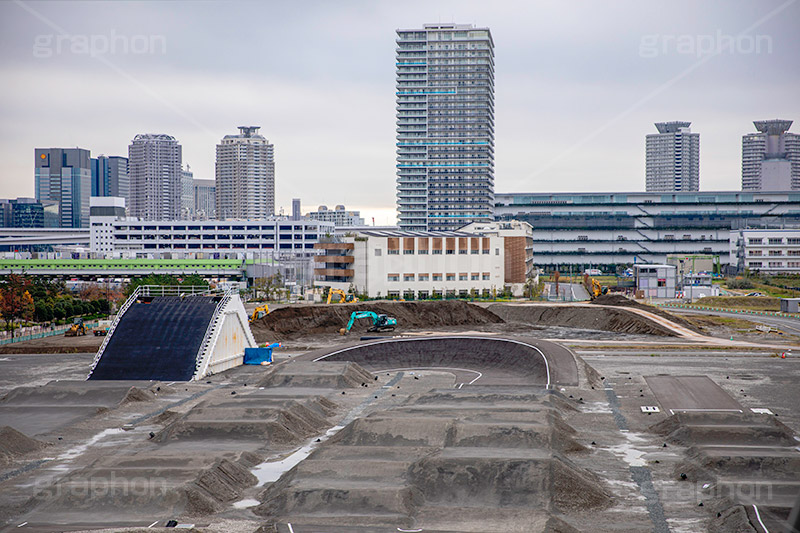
473, 359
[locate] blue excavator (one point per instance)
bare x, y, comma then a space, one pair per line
379, 322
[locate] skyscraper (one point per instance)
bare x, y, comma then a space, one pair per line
205, 199
245, 175
187, 193
771, 157
445, 126
672, 158
110, 176
154, 163
64, 176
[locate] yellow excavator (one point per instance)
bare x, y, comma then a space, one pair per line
342, 296
76, 329
259, 312
593, 286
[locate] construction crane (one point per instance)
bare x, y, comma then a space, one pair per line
259, 312
593, 287
379, 322
342, 296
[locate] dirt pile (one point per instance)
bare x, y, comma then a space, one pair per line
14, 444
135, 394
603, 319
344, 375
218, 485
296, 321
481, 460
280, 423
617, 300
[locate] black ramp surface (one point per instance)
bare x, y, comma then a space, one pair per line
157, 340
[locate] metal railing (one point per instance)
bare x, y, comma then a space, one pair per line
204, 353
176, 290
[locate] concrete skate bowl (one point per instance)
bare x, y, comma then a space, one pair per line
473, 359
157, 340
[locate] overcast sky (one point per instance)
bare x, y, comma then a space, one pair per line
578, 86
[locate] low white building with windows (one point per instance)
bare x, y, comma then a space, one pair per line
766, 250
477, 261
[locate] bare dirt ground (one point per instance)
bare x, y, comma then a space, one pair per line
357, 447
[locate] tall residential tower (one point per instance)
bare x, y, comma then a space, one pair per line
445, 126
245, 175
64, 176
154, 165
771, 157
672, 158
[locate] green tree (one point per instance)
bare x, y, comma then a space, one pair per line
16, 301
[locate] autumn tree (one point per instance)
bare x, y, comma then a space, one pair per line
15, 300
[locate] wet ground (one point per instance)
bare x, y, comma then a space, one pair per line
376, 445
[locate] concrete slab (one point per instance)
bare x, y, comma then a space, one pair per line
691, 393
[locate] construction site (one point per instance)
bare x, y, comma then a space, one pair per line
197, 411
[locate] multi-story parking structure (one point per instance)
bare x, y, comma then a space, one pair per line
269, 238
609, 229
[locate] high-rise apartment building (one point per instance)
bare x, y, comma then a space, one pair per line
154, 163
445, 126
672, 158
245, 175
771, 157
205, 199
110, 176
64, 176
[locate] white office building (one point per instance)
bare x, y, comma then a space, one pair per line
245, 176
338, 215
768, 250
771, 157
672, 158
480, 259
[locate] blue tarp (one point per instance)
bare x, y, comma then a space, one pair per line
259, 356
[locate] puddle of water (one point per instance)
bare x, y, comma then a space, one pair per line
78, 450
269, 472
627, 451
244, 504
596, 408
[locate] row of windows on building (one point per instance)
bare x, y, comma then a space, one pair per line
757, 253
463, 276
396, 251
773, 264
773, 240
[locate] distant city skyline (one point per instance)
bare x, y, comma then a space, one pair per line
571, 104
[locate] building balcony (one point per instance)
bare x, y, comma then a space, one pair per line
334, 259
334, 272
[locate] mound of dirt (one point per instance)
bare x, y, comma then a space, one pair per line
296, 321
14, 444
135, 394
616, 320
618, 300
324, 375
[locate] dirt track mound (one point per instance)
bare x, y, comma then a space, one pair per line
296, 321
619, 321
618, 300
14, 444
